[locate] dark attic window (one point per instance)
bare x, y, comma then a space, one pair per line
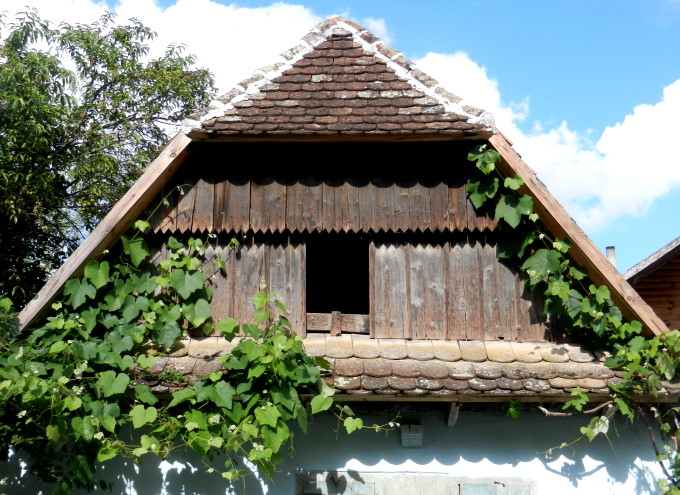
337, 273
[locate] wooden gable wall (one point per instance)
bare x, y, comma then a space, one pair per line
433, 268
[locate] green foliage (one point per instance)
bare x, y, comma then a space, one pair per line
70, 388
81, 112
645, 361
512, 408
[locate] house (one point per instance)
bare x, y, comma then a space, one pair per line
341, 168
657, 280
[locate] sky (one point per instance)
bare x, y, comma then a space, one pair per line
587, 91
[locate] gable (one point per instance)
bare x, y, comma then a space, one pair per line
398, 104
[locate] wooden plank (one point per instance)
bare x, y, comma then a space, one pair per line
335, 323
456, 294
367, 220
276, 204
237, 207
249, 278
220, 205
384, 204
354, 324
223, 287
402, 211
427, 293
342, 221
472, 266
202, 220
186, 205
348, 323
312, 204
109, 230
509, 293
421, 215
350, 197
372, 303
389, 298
330, 222
294, 205
490, 293
286, 280
439, 200
583, 251
259, 209
457, 215
165, 219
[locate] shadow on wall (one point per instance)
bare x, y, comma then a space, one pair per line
482, 443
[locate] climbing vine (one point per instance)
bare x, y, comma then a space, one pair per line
581, 306
73, 389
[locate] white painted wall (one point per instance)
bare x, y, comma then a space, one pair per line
482, 444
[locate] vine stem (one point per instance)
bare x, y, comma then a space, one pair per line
674, 481
563, 414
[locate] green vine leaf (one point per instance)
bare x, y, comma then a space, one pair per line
186, 394
197, 313
267, 415
511, 207
186, 283
513, 183
542, 263
352, 424
141, 415
485, 159
80, 291
97, 273
111, 383
481, 189
136, 249
144, 394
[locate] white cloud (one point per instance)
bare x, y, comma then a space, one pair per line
229, 40
618, 175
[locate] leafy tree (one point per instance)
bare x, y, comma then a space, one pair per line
82, 111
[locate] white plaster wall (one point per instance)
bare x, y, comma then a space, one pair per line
482, 444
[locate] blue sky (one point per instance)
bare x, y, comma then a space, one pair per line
588, 91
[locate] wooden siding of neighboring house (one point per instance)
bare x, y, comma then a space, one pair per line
661, 290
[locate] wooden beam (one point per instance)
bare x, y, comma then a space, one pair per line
583, 251
454, 409
107, 233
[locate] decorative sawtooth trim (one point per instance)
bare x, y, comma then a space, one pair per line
367, 367
404, 68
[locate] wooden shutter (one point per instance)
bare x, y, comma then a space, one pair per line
451, 290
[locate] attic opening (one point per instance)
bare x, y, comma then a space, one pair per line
337, 273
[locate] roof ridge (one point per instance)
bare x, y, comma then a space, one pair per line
403, 67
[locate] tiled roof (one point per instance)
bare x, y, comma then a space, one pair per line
468, 370
340, 80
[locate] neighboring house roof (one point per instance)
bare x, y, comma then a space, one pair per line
271, 106
657, 280
653, 262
